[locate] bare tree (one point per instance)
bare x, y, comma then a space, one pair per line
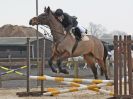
97, 29
117, 32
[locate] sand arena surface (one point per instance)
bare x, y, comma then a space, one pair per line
10, 87
85, 94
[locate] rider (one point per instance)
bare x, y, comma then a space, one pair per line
70, 23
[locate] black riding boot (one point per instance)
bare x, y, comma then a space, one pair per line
77, 34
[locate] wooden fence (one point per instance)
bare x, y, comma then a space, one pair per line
123, 83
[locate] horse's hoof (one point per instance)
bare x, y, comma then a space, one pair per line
64, 71
54, 70
96, 77
107, 78
101, 74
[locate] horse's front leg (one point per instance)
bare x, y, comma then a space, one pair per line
50, 62
61, 70
65, 55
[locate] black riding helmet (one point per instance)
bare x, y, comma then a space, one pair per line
59, 12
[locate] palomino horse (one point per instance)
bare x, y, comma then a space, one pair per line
92, 49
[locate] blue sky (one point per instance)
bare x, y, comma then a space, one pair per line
112, 14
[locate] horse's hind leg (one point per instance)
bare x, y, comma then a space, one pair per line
104, 68
101, 70
94, 70
91, 62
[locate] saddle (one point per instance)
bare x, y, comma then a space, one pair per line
78, 35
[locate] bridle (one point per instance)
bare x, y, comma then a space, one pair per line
54, 30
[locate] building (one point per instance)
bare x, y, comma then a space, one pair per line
13, 42
16, 47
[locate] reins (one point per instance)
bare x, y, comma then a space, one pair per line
54, 30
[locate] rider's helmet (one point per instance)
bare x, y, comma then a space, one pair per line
59, 12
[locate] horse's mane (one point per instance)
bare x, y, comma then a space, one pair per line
55, 17
52, 12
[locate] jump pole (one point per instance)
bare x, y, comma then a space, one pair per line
94, 87
8, 71
42, 64
36, 93
41, 67
77, 80
82, 87
0, 82
37, 44
28, 64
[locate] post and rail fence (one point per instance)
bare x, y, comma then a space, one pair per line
123, 82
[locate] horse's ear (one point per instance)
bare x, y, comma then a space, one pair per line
45, 9
48, 9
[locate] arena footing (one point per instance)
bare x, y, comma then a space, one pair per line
26, 94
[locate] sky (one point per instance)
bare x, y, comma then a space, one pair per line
112, 14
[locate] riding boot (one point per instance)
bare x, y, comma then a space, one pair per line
77, 38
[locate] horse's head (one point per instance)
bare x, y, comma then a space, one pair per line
48, 18
42, 19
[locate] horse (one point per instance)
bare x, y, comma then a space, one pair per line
63, 42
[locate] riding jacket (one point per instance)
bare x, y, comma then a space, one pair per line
69, 21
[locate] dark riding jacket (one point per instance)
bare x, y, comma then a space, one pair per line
69, 21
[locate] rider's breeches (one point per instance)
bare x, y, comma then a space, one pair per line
83, 30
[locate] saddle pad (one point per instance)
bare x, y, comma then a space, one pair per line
85, 38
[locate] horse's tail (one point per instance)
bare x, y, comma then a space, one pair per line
105, 53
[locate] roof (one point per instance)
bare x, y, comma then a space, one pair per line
23, 40
108, 40
15, 40
18, 31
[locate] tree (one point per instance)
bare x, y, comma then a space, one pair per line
117, 32
97, 29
